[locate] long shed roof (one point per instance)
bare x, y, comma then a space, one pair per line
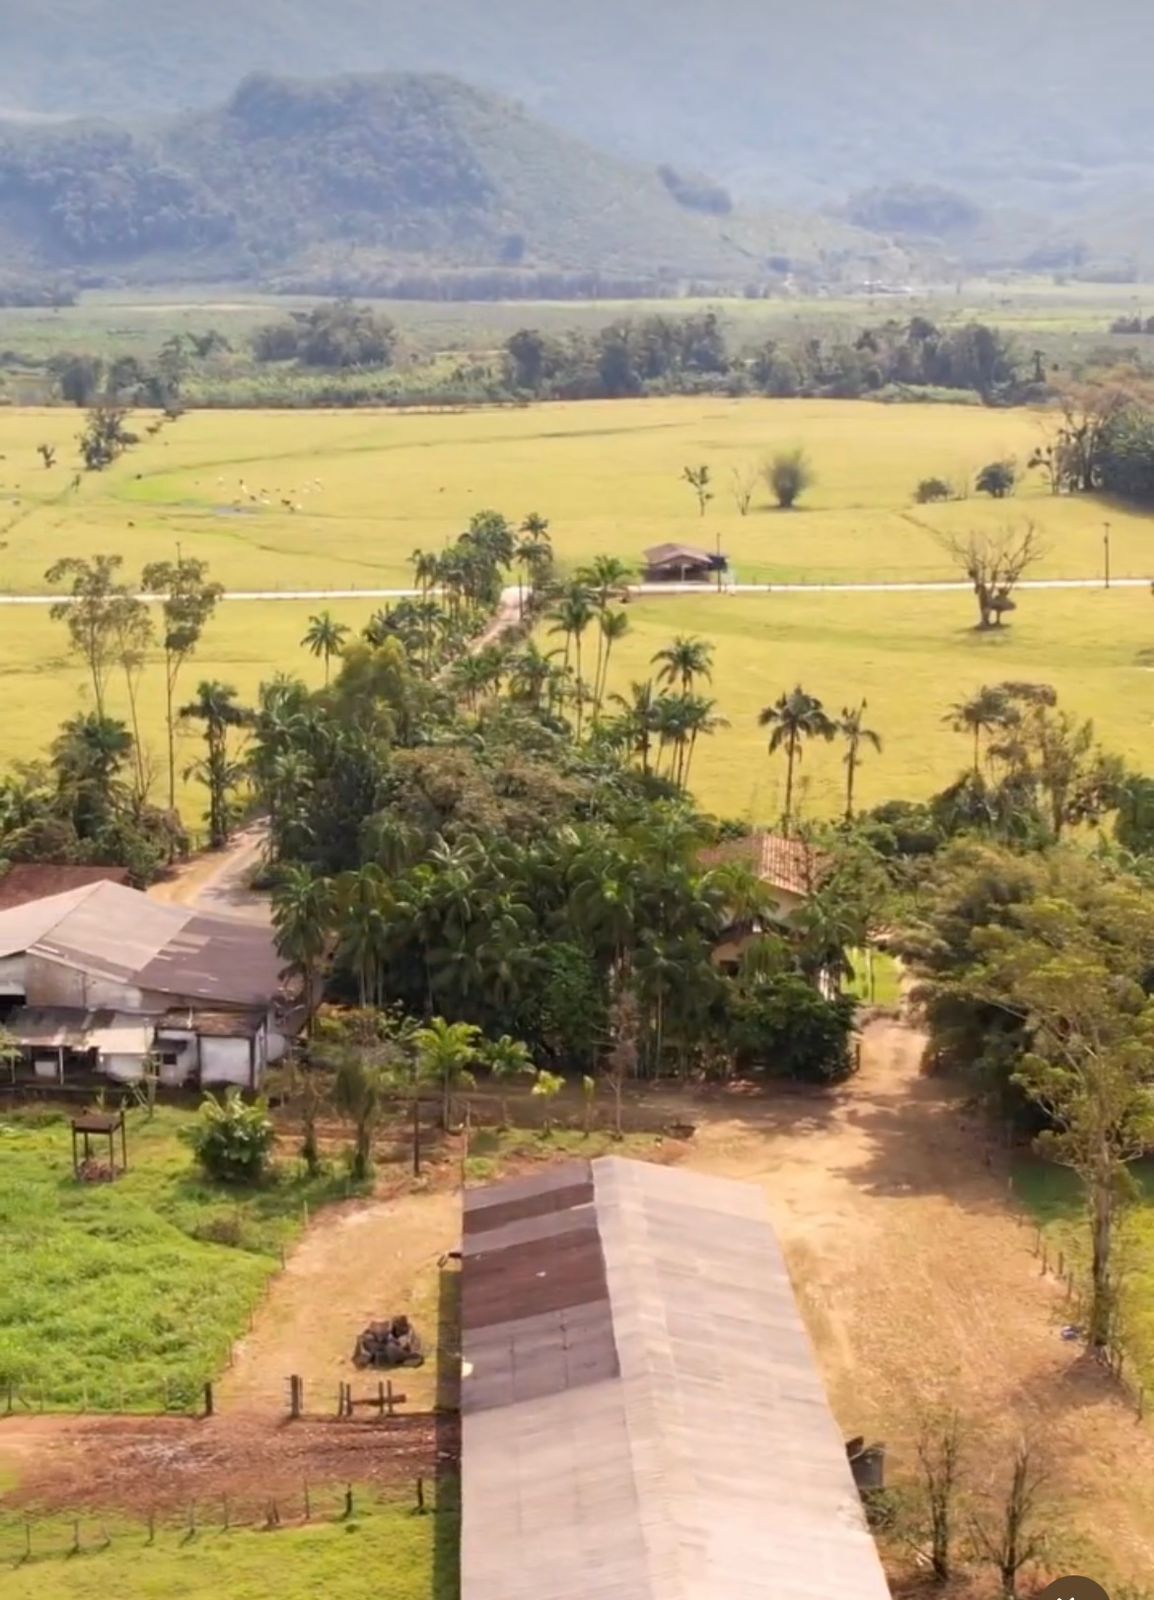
643, 1418
109, 931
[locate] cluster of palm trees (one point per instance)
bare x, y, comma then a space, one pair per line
797, 718
661, 719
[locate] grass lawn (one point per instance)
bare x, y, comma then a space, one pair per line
122, 1294
911, 657
371, 486
1053, 1197
876, 979
386, 1553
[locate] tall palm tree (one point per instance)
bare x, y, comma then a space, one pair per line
637, 720
853, 730
325, 637
614, 626
794, 718
700, 718
986, 712
362, 924
217, 710
446, 1051
533, 554
88, 756
571, 616
684, 661
303, 915
529, 674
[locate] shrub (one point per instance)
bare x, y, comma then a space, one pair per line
788, 475
231, 1140
997, 479
783, 1027
932, 489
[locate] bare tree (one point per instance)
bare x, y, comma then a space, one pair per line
698, 479
995, 564
621, 1062
1012, 1539
939, 1451
744, 483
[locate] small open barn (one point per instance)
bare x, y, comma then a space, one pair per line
642, 1413
681, 563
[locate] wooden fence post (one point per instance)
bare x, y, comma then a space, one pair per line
308, 1503
421, 1496
208, 1400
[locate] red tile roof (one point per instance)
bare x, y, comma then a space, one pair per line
791, 865
30, 880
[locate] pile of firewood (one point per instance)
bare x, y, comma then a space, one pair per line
395, 1343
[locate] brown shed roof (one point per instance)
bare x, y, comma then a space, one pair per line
643, 1418
790, 865
659, 555
28, 880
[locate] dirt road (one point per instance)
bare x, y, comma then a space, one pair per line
218, 881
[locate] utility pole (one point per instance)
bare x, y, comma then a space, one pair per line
1106, 552
719, 560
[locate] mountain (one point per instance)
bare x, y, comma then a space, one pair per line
1024, 104
346, 183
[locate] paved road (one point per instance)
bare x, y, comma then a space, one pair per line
932, 586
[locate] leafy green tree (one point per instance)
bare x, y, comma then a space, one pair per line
91, 614
684, 661
105, 437
232, 1140
189, 601
988, 711
546, 1089
1078, 988
306, 1090
507, 1058
446, 1052
997, 479
361, 1088
851, 727
325, 638
304, 912
219, 714
788, 475
794, 719
89, 755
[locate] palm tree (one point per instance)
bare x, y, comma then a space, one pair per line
984, 712
571, 616
795, 718
529, 673
638, 720
699, 718
88, 755
216, 708
360, 1089
507, 1058
547, 1087
685, 660
325, 637
446, 1051
362, 922
856, 734
303, 915
533, 554
614, 626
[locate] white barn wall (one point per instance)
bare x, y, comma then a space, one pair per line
225, 1061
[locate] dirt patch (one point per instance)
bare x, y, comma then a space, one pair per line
357, 1264
919, 1285
165, 1464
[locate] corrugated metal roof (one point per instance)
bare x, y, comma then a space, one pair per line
702, 1461
113, 932
55, 1027
33, 880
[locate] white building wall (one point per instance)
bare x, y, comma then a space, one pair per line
225, 1061
125, 1069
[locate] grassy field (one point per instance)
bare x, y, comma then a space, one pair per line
911, 657
127, 1294
368, 487
386, 1553
371, 487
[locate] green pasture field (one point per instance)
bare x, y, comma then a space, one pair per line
42, 684
340, 499
126, 1296
137, 322
385, 1553
911, 656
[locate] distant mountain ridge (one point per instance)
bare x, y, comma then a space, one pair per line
347, 182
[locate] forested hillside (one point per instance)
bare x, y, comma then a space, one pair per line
350, 183
1034, 104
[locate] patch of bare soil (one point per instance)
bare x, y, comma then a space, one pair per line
920, 1286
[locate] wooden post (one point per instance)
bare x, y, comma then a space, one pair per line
152, 1524
349, 1500
391, 1401
224, 1519
75, 1537
380, 1397
208, 1401
421, 1496
308, 1503
27, 1540
1141, 1401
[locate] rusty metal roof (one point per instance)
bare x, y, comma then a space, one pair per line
28, 880
113, 932
643, 1417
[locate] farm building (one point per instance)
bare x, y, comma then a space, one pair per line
681, 563
790, 868
28, 880
102, 978
641, 1409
